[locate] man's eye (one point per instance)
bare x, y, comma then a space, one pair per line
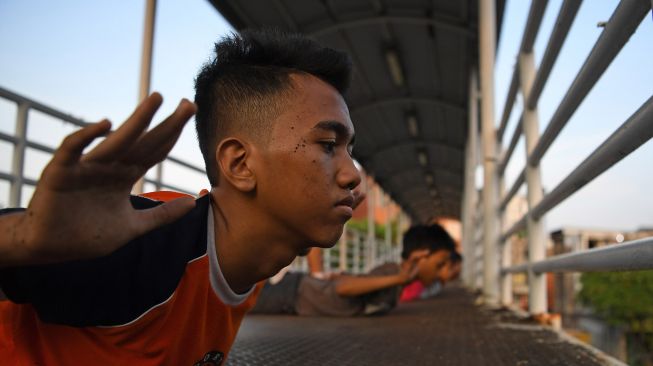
329, 146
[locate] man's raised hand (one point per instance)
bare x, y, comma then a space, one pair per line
81, 207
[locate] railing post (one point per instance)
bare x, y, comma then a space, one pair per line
18, 161
146, 71
487, 44
159, 176
357, 252
506, 251
469, 194
399, 237
342, 251
388, 229
370, 249
536, 234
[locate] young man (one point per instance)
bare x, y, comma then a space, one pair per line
96, 277
425, 257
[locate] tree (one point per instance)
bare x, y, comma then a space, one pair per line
624, 298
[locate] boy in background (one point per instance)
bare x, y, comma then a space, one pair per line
426, 254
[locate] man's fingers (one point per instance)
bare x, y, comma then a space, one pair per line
121, 140
163, 214
73, 145
155, 145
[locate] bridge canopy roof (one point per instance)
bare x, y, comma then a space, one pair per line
409, 95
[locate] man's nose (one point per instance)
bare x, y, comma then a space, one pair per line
349, 176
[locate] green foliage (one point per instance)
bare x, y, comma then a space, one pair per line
621, 297
379, 230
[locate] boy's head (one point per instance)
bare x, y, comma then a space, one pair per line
440, 246
247, 84
276, 135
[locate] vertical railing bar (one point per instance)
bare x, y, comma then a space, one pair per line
469, 198
487, 45
622, 24
536, 231
159, 176
342, 252
357, 253
18, 159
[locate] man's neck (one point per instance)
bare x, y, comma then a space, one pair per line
247, 250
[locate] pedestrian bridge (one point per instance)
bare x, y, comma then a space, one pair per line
422, 103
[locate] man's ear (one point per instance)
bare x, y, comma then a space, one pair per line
232, 156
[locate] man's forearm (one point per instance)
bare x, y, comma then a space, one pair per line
354, 285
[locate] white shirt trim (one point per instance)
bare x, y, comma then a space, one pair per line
220, 286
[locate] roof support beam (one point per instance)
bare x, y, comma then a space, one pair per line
434, 101
380, 20
409, 142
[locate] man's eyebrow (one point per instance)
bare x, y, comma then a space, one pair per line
338, 127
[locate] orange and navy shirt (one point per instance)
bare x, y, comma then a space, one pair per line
159, 300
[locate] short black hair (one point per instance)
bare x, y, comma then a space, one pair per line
243, 85
432, 237
456, 257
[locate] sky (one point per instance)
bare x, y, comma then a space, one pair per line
83, 58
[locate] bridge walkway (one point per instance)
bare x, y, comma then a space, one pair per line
448, 330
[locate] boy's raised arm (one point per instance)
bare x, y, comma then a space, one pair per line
81, 207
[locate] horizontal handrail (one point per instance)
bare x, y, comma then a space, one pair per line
535, 15
630, 256
511, 148
510, 101
513, 190
622, 24
516, 227
566, 17
20, 100
7, 94
632, 134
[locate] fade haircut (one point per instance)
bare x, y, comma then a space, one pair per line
431, 237
247, 83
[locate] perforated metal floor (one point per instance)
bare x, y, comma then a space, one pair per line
448, 330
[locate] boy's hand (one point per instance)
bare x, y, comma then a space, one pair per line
410, 267
81, 207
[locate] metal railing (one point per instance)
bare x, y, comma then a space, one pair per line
634, 132
21, 142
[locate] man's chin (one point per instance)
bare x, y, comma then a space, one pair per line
304, 252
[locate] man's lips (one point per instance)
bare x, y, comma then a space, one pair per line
346, 205
347, 201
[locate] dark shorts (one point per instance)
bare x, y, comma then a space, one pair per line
279, 298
